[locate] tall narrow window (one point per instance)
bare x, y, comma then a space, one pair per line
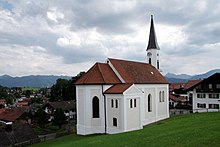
158, 66
112, 103
163, 95
160, 96
116, 103
135, 103
95, 107
115, 122
149, 100
131, 103
149, 60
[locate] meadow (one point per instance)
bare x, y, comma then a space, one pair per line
201, 129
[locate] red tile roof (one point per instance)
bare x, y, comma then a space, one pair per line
11, 114
191, 83
117, 89
100, 73
174, 86
138, 72
130, 71
177, 98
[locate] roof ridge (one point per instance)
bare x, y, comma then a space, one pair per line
128, 61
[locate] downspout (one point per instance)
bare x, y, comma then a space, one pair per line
104, 109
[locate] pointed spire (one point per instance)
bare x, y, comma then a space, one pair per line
152, 43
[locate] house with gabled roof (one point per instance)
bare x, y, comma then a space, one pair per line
69, 108
120, 95
205, 94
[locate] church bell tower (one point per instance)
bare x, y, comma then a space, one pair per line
152, 47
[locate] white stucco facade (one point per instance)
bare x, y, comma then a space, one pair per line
201, 102
86, 124
128, 115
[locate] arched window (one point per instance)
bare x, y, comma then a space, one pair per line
160, 96
95, 107
149, 102
158, 65
149, 60
163, 96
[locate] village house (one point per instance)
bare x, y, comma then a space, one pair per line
69, 108
205, 94
121, 95
10, 115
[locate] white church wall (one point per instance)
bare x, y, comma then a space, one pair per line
159, 110
86, 124
133, 113
114, 112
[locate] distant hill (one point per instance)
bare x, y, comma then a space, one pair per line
38, 81
182, 78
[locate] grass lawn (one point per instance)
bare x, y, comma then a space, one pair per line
201, 129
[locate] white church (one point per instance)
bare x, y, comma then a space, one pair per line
121, 95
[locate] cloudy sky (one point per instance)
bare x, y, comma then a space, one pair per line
64, 37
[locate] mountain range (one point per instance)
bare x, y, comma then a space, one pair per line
175, 78
41, 81
38, 81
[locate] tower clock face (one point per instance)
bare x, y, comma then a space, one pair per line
149, 54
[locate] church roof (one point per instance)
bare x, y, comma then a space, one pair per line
138, 72
100, 73
130, 72
152, 43
117, 89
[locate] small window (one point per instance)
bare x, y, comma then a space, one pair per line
114, 121
213, 106
131, 105
160, 96
158, 65
112, 103
218, 86
149, 60
135, 103
149, 103
199, 105
200, 95
116, 103
163, 96
214, 96
210, 86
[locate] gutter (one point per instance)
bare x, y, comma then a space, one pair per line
104, 110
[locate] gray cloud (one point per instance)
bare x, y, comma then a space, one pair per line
77, 33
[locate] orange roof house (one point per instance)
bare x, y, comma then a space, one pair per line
11, 114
